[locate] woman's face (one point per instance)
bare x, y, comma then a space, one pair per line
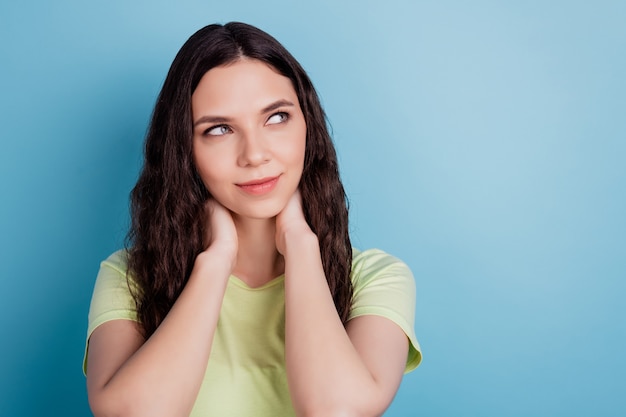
249, 137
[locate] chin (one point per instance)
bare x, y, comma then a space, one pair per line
260, 211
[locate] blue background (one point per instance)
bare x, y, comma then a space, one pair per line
482, 142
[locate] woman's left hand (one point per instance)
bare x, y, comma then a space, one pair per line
290, 223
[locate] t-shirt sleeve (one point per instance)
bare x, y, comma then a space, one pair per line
384, 286
111, 299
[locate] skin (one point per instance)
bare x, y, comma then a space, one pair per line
248, 125
331, 370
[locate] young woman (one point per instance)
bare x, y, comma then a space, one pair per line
239, 293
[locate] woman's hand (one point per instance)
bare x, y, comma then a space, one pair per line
129, 375
291, 224
221, 233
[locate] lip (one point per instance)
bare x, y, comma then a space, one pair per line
259, 186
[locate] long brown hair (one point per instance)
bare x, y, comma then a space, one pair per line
167, 221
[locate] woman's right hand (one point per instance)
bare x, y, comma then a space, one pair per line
129, 375
221, 234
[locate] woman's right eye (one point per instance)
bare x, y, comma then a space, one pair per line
219, 130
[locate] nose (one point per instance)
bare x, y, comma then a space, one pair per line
254, 150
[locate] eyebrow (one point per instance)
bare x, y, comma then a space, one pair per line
275, 105
220, 119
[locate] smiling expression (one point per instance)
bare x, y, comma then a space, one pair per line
249, 137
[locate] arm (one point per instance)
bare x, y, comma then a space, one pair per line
332, 370
161, 376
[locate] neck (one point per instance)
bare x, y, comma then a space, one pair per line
258, 260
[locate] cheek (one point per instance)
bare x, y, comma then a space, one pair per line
209, 170
298, 148
302, 150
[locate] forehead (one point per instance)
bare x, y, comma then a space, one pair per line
244, 85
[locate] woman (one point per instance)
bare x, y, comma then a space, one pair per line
240, 293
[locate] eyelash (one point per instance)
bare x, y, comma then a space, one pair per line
284, 114
285, 117
206, 132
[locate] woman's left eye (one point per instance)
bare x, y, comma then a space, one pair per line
277, 118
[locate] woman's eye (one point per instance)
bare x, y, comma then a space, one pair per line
217, 130
277, 118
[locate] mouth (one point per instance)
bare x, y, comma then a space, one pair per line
259, 186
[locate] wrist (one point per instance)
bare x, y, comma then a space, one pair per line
300, 240
224, 254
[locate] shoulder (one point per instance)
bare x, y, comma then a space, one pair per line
374, 266
112, 296
118, 261
112, 289
384, 286
114, 270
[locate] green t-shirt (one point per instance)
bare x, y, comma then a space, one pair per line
246, 372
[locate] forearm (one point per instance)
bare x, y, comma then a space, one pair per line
164, 375
325, 372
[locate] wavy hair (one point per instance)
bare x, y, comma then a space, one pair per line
167, 203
